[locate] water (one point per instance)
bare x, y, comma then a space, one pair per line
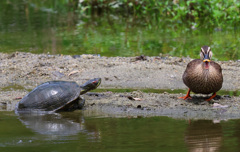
78, 132
57, 27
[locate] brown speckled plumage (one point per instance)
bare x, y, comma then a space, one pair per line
203, 75
200, 80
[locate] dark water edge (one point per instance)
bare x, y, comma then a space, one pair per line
171, 91
14, 87
76, 132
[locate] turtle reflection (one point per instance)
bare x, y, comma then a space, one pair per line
58, 124
203, 135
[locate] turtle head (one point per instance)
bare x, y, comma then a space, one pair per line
90, 85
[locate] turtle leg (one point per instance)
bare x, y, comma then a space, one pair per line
213, 95
187, 95
81, 102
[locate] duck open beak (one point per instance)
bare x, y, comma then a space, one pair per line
206, 61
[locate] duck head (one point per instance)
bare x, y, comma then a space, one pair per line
206, 55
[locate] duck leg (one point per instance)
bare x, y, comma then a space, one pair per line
187, 95
213, 95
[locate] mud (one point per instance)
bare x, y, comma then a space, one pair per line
21, 72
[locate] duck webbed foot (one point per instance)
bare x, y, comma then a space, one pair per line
187, 95
213, 95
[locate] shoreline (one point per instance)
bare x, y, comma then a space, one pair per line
21, 72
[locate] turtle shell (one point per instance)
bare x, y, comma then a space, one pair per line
50, 96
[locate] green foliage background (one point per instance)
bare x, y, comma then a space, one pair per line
121, 27
199, 13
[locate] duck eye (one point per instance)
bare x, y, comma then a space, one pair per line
210, 54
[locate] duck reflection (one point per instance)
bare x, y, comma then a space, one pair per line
203, 136
59, 124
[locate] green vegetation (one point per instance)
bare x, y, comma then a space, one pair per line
196, 13
121, 27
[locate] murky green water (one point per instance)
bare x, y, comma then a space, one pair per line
58, 27
77, 132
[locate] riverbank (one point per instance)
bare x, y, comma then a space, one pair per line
21, 72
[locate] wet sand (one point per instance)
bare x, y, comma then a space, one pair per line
21, 72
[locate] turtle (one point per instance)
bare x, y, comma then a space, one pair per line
56, 96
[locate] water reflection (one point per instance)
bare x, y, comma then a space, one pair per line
78, 131
59, 125
203, 136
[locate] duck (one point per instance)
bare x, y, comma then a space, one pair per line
203, 76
